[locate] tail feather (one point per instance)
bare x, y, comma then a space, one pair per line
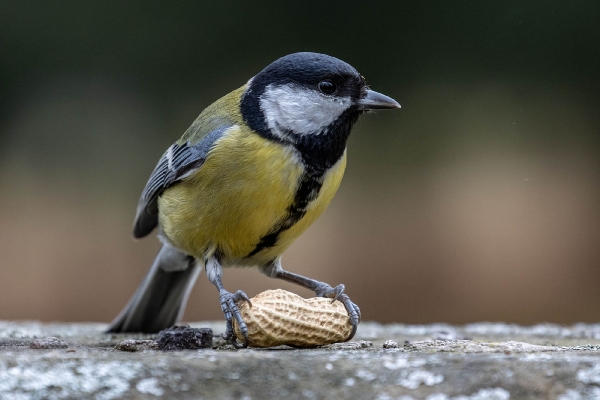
160, 300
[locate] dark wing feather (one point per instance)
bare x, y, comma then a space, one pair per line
179, 161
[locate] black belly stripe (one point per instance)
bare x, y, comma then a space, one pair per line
308, 190
319, 152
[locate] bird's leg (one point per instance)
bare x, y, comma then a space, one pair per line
321, 289
228, 303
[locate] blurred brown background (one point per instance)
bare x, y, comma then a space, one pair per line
478, 200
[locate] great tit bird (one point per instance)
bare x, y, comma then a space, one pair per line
251, 174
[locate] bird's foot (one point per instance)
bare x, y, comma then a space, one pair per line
337, 293
230, 309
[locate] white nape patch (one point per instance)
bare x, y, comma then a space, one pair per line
303, 111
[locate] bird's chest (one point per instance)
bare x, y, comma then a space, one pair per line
312, 196
248, 201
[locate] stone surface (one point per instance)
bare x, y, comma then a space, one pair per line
132, 345
433, 362
48, 343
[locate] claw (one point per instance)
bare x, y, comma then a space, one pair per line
231, 310
231, 340
241, 296
353, 313
337, 293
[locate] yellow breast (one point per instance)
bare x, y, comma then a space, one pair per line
237, 196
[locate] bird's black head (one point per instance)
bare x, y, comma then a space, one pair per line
310, 101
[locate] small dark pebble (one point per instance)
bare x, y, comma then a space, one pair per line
390, 344
184, 338
48, 343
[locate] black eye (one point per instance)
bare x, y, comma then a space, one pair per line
327, 87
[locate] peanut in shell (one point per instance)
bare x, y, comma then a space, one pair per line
278, 317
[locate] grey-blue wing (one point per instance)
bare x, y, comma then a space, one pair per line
179, 161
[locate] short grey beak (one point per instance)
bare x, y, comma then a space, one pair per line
376, 101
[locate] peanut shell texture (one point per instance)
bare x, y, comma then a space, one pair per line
278, 317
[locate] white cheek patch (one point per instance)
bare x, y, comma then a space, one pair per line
303, 111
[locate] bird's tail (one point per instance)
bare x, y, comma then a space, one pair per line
160, 300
